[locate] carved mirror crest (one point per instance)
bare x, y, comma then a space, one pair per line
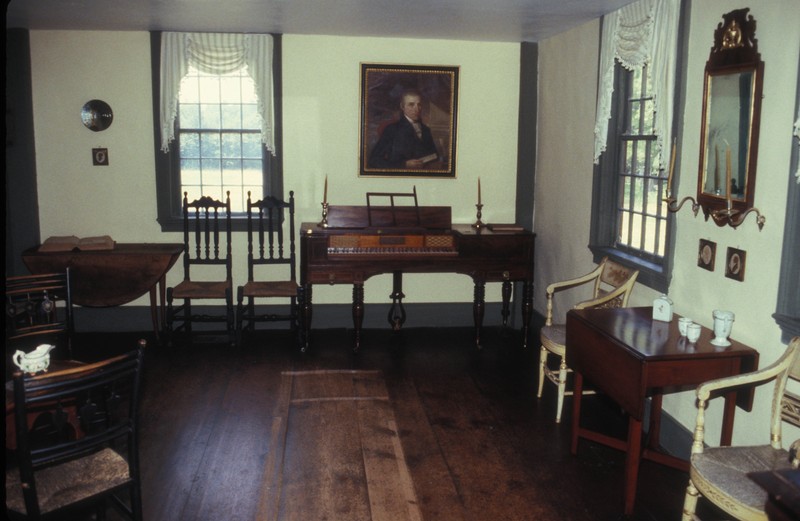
734, 76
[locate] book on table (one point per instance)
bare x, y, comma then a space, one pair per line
71, 242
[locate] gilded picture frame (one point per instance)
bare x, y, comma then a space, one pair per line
409, 116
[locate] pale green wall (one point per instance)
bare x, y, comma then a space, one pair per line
321, 120
565, 162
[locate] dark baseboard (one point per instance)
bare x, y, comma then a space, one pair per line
325, 316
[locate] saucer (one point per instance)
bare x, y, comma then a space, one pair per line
721, 342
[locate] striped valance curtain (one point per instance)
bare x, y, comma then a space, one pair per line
639, 34
216, 53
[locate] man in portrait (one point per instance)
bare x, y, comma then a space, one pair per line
406, 143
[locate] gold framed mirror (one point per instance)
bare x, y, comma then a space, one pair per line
732, 90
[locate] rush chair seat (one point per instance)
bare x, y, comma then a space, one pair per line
207, 243
39, 311
612, 286
271, 253
720, 473
58, 475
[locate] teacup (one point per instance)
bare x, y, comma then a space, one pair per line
693, 332
683, 325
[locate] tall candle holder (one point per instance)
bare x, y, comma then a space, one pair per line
479, 224
324, 222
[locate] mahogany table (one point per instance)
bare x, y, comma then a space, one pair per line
630, 357
105, 278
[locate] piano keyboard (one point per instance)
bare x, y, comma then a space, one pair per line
391, 245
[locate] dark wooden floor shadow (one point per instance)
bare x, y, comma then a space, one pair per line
486, 450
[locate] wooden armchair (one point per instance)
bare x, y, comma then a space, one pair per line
720, 473
271, 252
59, 474
612, 286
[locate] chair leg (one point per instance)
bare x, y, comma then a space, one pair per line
562, 384
230, 320
690, 502
542, 364
239, 315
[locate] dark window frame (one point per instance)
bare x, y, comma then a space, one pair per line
169, 197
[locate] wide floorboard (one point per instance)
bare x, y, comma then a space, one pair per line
422, 427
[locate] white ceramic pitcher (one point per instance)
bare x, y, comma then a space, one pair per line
35, 361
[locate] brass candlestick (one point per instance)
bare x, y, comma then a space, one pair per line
324, 222
479, 224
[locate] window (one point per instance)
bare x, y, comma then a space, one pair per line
219, 137
213, 132
640, 66
631, 220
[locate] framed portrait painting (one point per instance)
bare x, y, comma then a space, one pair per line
408, 120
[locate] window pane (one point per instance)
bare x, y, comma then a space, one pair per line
231, 116
213, 161
210, 116
189, 114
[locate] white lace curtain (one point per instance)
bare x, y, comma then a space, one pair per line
639, 34
216, 53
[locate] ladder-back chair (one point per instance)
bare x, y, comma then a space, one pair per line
612, 286
271, 265
207, 244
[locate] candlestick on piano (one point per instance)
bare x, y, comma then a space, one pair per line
479, 190
325, 192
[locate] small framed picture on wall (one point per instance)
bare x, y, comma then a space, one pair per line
706, 254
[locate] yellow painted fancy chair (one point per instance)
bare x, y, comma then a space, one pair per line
720, 474
612, 286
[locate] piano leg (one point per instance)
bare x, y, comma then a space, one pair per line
397, 313
358, 313
506, 300
305, 319
478, 305
527, 310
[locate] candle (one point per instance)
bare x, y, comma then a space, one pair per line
325, 192
716, 169
728, 176
671, 168
479, 190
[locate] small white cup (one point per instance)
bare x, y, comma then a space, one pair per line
693, 332
683, 325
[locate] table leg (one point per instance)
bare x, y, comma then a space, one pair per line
154, 313
654, 432
577, 395
729, 411
632, 460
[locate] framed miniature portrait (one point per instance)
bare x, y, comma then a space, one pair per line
734, 264
706, 254
408, 120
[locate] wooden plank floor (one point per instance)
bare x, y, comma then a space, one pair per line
234, 435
